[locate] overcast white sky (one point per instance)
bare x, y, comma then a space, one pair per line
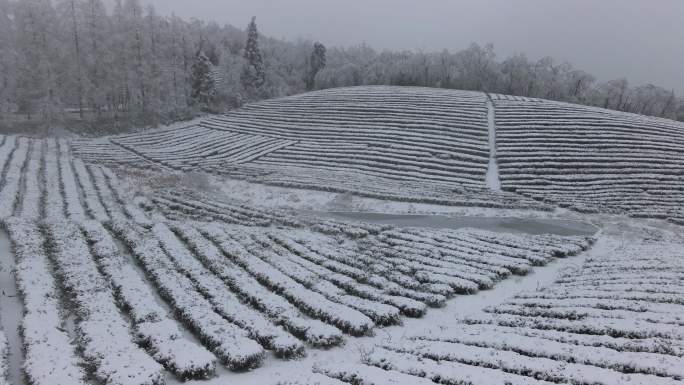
642, 40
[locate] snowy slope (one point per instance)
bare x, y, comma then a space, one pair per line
429, 146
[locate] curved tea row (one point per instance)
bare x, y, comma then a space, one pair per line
616, 319
126, 290
591, 159
429, 145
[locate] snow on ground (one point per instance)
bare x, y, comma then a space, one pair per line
618, 239
239, 269
610, 241
493, 180
267, 196
300, 199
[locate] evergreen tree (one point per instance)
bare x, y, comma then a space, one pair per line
213, 54
203, 87
253, 76
317, 62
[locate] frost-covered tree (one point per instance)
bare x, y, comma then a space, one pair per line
317, 62
579, 85
679, 114
70, 14
119, 84
253, 75
478, 68
613, 94
37, 58
134, 14
518, 76
96, 59
213, 54
203, 86
151, 30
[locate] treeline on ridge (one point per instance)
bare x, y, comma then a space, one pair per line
77, 60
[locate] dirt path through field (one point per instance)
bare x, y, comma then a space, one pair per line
464, 306
493, 180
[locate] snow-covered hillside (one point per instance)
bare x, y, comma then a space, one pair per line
131, 288
133, 267
591, 159
613, 318
434, 146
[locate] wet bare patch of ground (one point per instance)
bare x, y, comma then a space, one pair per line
11, 310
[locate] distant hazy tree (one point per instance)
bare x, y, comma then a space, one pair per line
213, 54
253, 75
680, 110
7, 58
518, 75
478, 68
653, 100
119, 84
69, 12
613, 94
95, 56
580, 84
317, 62
550, 80
446, 69
135, 15
203, 87
37, 87
669, 106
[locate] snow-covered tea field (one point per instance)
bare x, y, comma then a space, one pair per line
126, 276
590, 159
613, 318
426, 145
410, 144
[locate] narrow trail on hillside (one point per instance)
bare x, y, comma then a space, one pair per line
541, 276
493, 181
142, 156
463, 306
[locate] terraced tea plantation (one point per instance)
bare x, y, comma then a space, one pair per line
120, 288
408, 144
432, 146
590, 159
113, 278
613, 320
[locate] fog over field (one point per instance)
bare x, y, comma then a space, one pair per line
610, 38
